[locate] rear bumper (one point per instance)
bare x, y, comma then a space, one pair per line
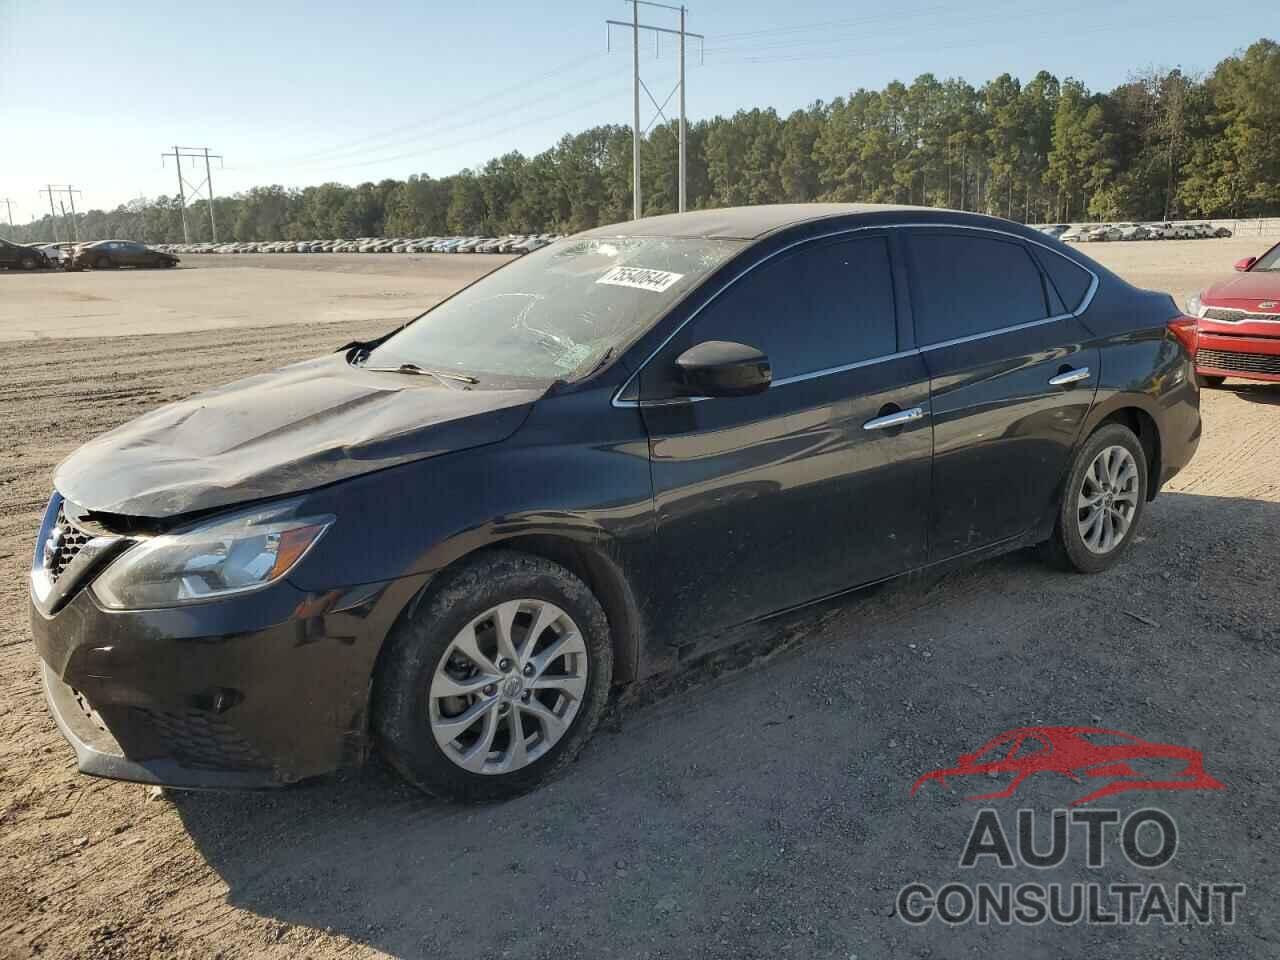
1228, 355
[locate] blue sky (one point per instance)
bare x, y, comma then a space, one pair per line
300, 92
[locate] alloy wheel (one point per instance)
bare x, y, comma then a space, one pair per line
509, 686
1108, 499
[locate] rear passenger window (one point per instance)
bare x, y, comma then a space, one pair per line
967, 285
1071, 281
822, 305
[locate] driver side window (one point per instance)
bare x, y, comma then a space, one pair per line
824, 304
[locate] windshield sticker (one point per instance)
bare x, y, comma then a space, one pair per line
641, 278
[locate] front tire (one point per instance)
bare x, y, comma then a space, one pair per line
102, 263
496, 681
1102, 502
27, 263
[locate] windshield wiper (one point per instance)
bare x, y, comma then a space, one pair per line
413, 368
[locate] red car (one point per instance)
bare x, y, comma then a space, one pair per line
1240, 323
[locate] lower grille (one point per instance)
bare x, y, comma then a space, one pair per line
1242, 362
201, 741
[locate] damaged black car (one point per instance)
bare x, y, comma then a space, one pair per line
625, 449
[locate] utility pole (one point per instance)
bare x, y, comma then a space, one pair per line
9, 206
637, 84
53, 214
70, 192
681, 81
202, 190
636, 206
208, 178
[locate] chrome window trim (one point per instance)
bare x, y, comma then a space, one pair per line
827, 371
846, 231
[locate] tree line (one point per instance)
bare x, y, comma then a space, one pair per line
1163, 145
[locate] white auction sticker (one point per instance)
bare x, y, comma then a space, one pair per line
641, 278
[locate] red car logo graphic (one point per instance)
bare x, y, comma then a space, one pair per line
1077, 753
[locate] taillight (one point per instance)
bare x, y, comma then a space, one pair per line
1187, 330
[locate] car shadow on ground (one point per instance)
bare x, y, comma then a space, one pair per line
763, 808
1254, 391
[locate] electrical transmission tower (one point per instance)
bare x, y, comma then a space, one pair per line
203, 190
70, 192
637, 85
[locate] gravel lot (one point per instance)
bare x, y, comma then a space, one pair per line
755, 806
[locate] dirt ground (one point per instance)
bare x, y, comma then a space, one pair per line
755, 806
248, 290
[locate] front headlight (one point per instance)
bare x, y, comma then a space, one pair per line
231, 554
1193, 305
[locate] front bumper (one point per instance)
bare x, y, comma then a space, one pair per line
99, 754
1238, 355
250, 691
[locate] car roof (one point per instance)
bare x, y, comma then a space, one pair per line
753, 223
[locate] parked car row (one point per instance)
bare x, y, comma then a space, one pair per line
513, 243
22, 256
98, 254
1093, 232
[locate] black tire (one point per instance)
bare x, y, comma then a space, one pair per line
1210, 383
27, 263
1066, 549
401, 709
102, 263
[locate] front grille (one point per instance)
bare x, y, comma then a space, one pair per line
69, 541
1242, 362
201, 741
1238, 316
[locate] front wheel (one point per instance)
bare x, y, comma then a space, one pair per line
495, 682
1102, 502
27, 263
101, 263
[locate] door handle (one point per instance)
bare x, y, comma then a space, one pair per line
1069, 376
895, 419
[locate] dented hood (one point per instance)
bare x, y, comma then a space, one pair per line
283, 432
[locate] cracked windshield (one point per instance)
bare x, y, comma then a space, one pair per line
556, 313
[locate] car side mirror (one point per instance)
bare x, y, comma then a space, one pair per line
719, 368
1246, 263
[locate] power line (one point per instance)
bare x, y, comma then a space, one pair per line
894, 22
1068, 29
424, 127
203, 190
484, 136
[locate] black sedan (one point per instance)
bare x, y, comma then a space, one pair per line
17, 256
453, 541
105, 254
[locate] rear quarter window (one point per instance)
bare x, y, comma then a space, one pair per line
1070, 280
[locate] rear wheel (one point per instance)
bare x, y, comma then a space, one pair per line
496, 681
1210, 383
1102, 502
